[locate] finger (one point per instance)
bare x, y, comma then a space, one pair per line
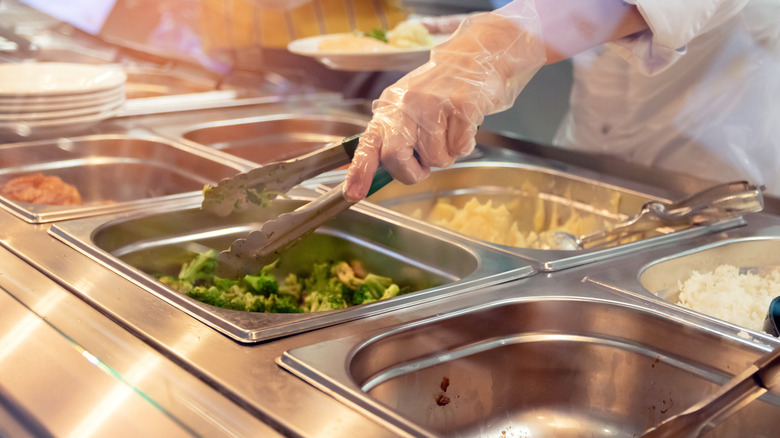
364, 164
431, 145
398, 154
461, 135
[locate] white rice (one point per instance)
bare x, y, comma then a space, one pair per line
724, 293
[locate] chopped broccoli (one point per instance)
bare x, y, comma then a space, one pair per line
224, 283
209, 295
264, 284
199, 269
291, 287
263, 197
320, 302
322, 282
330, 286
346, 275
249, 302
282, 304
392, 291
373, 289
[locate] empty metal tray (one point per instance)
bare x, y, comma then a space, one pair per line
141, 246
268, 138
552, 366
111, 172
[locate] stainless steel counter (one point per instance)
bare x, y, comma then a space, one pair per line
68, 370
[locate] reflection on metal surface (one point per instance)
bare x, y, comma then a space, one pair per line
21, 332
33, 355
554, 366
87, 356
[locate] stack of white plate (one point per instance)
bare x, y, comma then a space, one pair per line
51, 99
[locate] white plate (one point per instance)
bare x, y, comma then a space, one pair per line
67, 113
52, 128
57, 78
398, 60
36, 105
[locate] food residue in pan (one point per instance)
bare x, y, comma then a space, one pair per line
41, 189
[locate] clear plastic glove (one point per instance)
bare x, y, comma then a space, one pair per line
430, 116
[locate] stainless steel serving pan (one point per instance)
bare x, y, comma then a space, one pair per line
531, 187
656, 273
552, 365
434, 265
268, 138
111, 172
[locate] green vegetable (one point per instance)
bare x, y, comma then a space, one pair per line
379, 34
201, 268
375, 288
262, 198
329, 286
264, 283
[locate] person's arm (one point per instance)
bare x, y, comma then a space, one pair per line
573, 26
430, 116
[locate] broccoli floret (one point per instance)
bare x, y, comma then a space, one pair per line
364, 294
264, 284
247, 302
174, 283
224, 284
372, 289
324, 292
282, 304
392, 291
208, 295
263, 197
200, 269
291, 287
318, 302
375, 288
322, 282
346, 275
329, 287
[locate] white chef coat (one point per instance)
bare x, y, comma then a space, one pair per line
698, 93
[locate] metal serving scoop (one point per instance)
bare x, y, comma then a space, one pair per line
761, 376
717, 203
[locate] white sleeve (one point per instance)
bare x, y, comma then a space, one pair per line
673, 24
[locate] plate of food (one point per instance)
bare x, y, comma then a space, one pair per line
403, 48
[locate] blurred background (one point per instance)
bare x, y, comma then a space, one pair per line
222, 36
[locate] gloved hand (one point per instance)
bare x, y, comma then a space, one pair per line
430, 116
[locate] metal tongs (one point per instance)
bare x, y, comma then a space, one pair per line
262, 246
761, 376
715, 204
